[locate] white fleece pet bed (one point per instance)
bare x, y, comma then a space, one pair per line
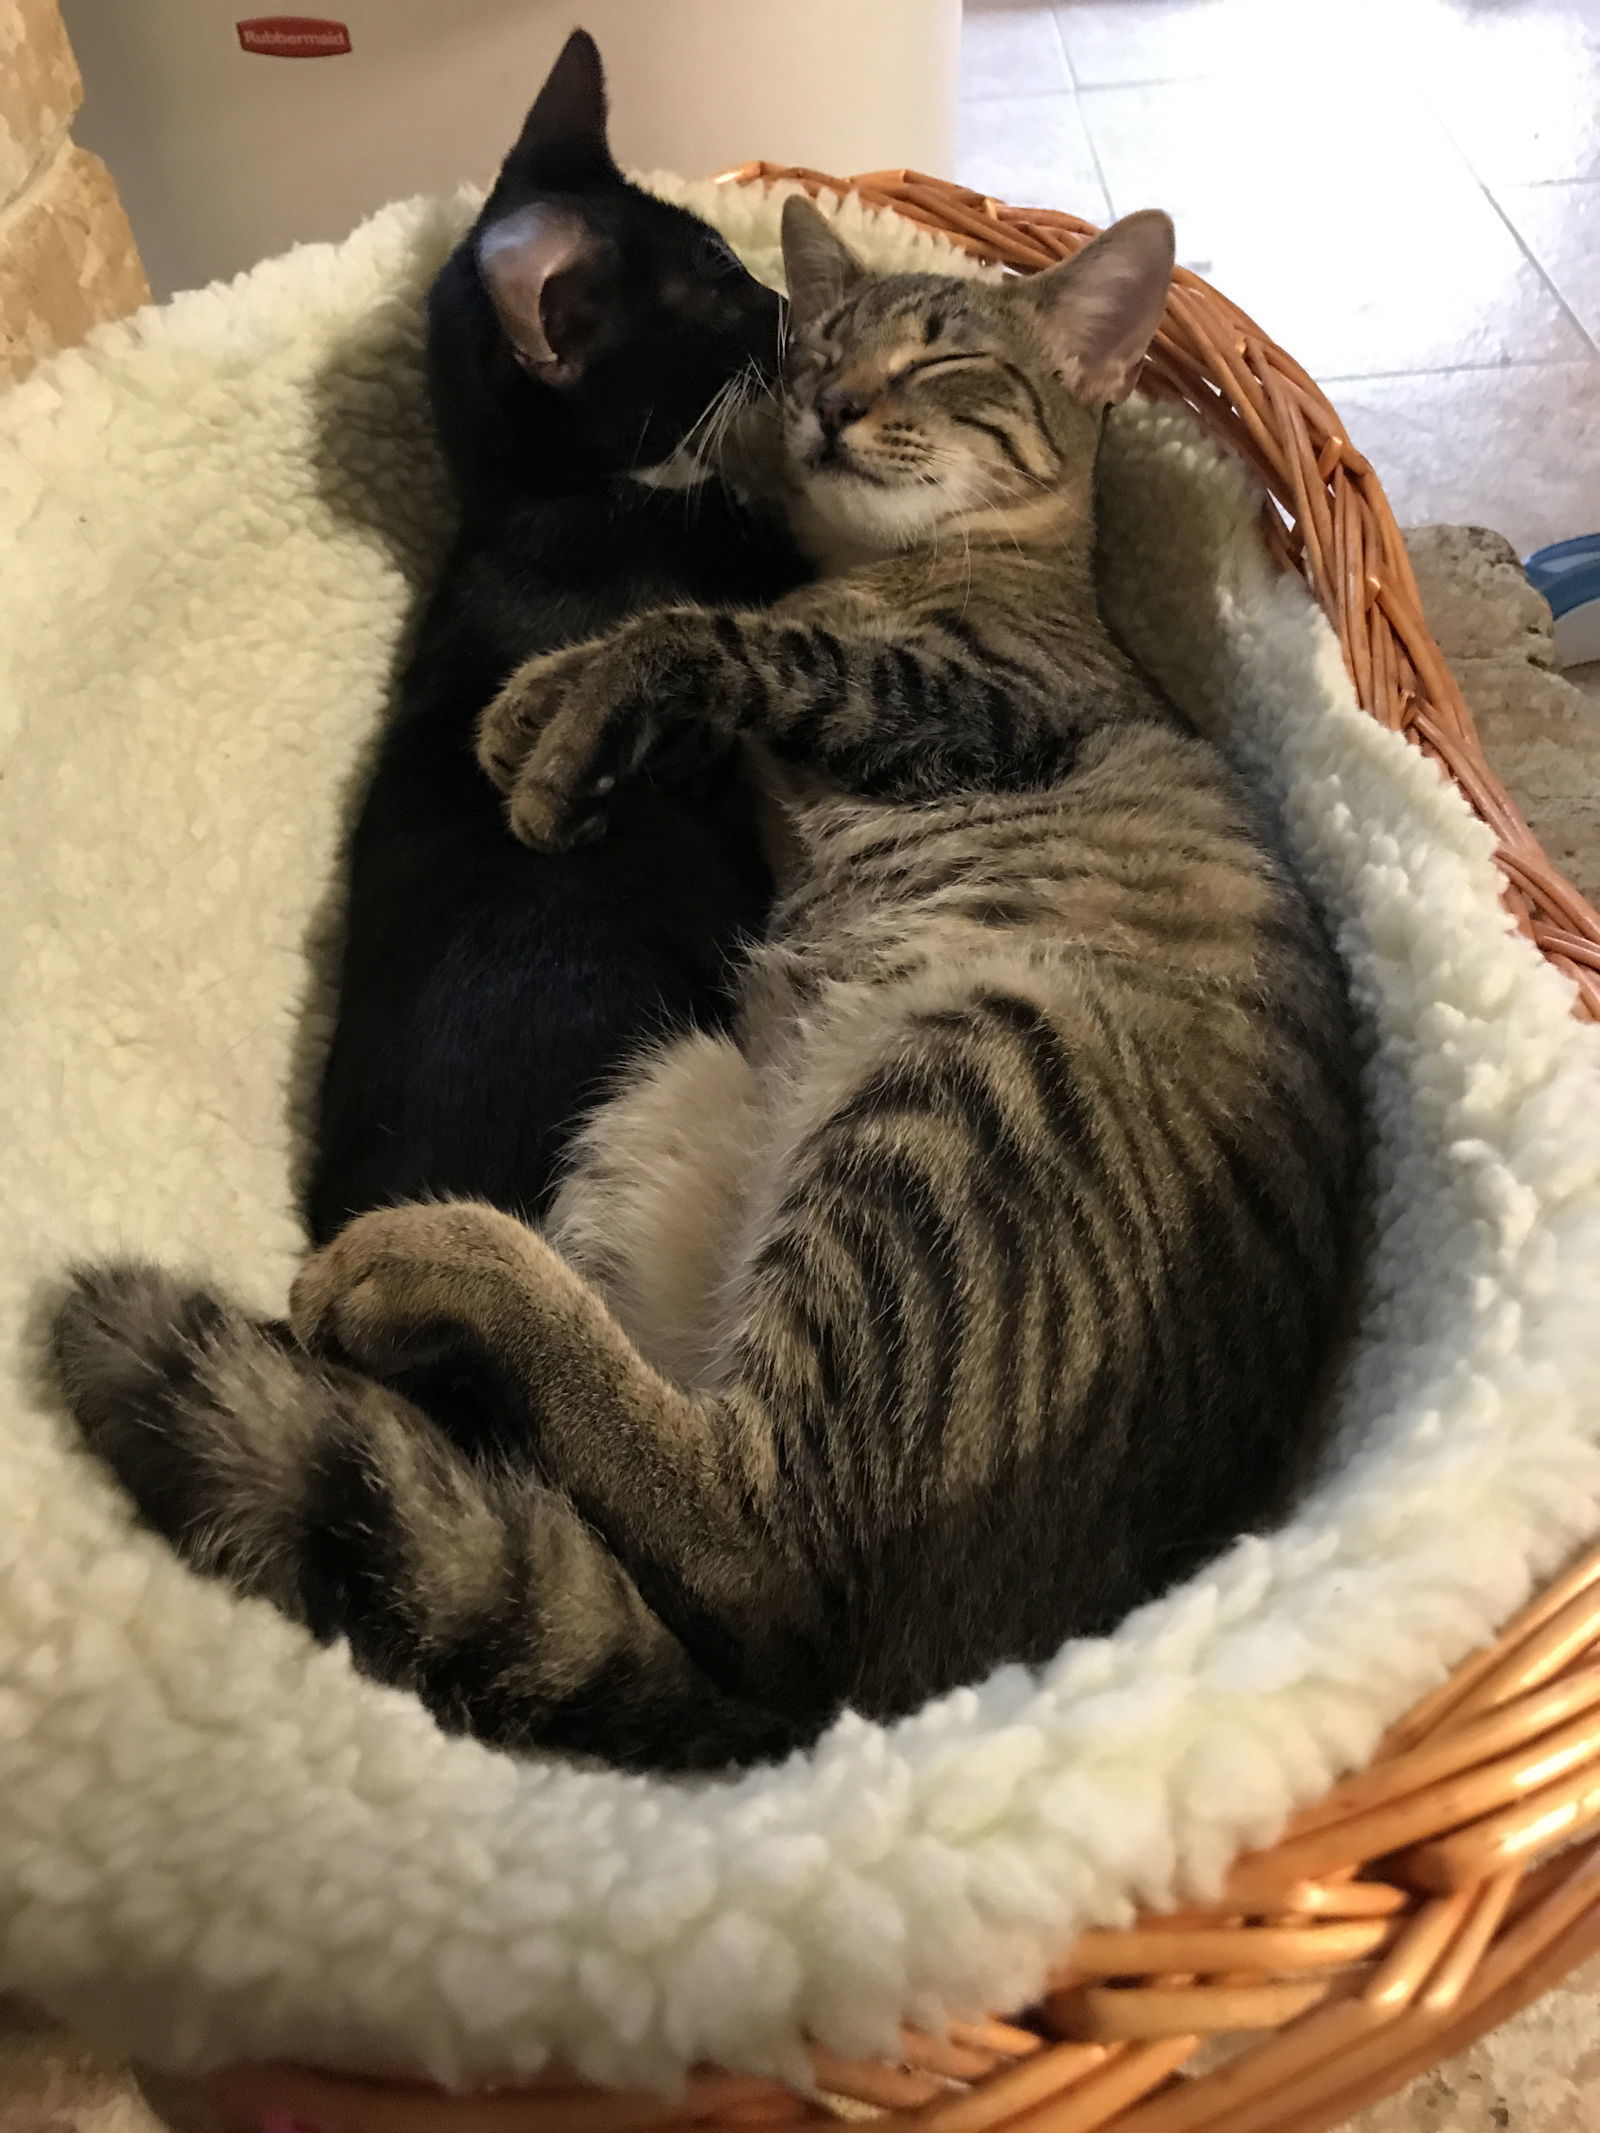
217, 1841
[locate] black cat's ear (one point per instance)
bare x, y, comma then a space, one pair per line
1099, 310
562, 146
540, 266
819, 267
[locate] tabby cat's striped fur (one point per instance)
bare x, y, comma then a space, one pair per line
980, 1290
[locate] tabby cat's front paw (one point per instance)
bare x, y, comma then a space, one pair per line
529, 701
558, 800
543, 738
398, 1287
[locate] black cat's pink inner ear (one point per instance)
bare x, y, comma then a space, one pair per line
1099, 310
520, 258
819, 267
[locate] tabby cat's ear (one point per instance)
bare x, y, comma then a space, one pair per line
1099, 310
818, 266
533, 264
562, 146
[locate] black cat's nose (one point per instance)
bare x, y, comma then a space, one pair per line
837, 407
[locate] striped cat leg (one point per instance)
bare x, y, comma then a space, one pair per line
896, 708
310, 1486
670, 1480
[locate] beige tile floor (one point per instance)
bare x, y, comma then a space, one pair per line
1405, 193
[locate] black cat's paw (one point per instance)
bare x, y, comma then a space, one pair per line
131, 1347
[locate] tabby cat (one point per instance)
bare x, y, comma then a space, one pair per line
978, 1291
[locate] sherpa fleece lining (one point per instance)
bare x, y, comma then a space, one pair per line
216, 1841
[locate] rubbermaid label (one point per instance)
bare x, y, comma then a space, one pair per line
294, 36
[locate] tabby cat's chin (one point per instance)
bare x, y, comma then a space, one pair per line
842, 517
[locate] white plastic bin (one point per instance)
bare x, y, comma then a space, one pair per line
225, 154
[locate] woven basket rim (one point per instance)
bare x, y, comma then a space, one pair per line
1425, 1898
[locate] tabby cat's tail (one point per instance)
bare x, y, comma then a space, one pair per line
341, 1502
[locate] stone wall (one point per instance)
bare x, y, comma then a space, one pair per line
67, 256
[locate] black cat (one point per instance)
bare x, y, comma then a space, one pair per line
576, 337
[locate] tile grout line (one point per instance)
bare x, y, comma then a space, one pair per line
1101, 179
1093, 145
1517, 238
1358, 378
1065, 50
1143, 81
1015, 96
1078, 91
1076, 86
1539, 268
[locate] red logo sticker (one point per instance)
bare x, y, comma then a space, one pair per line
294, 36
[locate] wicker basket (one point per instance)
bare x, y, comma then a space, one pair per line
1425, 1899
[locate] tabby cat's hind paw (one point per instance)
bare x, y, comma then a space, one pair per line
399, 1288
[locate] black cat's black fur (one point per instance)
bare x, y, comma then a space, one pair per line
488, 992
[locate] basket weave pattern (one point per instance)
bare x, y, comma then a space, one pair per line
1458, 1877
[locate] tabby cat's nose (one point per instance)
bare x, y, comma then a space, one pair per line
837, 407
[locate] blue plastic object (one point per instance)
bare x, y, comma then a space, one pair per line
1568, 574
